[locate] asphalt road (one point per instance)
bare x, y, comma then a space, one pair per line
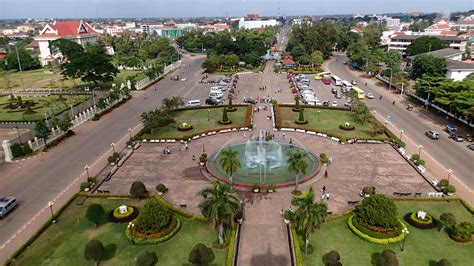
37, 181
450, 154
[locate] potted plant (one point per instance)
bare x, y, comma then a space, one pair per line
129, 144
450, 189
288, 216
444, 183
161, 188
367, 191
112, 160
271, 188
202, 159
256, 188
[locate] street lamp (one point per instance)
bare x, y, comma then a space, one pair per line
130, 226
50, 204
113, 147
208, 114
405, 233
391, 74
130, 133
319, 112
401, 134
450, 172
18, 133
87, 170
419, 150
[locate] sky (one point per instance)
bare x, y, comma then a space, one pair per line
210, 8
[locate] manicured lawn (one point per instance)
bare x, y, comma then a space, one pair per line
421, 246
329, 122
198, 119
51, 105
63, 243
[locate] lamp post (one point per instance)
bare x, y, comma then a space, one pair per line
208, 114
113, 147
130, 133
391, 74
401, 134
87, 171
203, 150
319, 112
405, 233
18, 133
130, 226
419, 150
449, 174
51, 204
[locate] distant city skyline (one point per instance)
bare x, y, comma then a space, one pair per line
12, 9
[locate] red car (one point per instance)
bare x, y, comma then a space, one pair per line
326, 81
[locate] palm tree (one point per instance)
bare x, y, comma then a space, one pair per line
309, 215
297, 164
220, 204
229, 162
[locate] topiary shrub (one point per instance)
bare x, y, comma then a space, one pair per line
415, 157
461, 232
386, 258
145, 258
443, 262
201, 255
368, 190
443, 183
94, 251
450, 189
377, 211
161, 188
94, 213
138, 190
85, 185
153, 217
427, 223
225, 118
92, 179
324, 158
332, 258
301, 120
347, 126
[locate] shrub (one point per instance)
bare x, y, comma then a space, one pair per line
94, 251
378, 210
331, 258
386, 258
161, 188
399, 143
138, 190
443, 183
348, 127
153, 217
203, 158
145, 258
111, 159
419, 162
20, 150
443, 262
368, 190
201, 255
92, 179
288, 215
324, 158
450, 189
129, 143
448, 219
156, 238
185, 127
271, 187
461, 232
85, 185
373, 237
255, 187
94, 213
415, 157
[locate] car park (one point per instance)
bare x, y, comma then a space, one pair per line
432, 134
7, 204
369, 95
457, 137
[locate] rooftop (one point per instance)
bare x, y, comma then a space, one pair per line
414, 37
442, 53
459, 65
63, 29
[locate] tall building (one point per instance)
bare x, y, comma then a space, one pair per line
256, 24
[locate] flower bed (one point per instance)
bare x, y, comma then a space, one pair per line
185, 127
347, 127
155, 238
414, 221
372, 236
116, 217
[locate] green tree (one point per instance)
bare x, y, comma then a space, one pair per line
229, 162
362, 112
386, 258
309, 214
301, 115
298, 51
220, 205
211, 64
94, 251
27, 61
65, 123
332, 258
469, 77
42, 130
93, 65
201, 255
94, 213
145, 258
372, 34
171, 103
68, 48
138, 190
317, 58
426, 44
225, 118
428, 65
153, 217
297, 164
377, 210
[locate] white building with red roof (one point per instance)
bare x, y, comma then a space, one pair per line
437, 28
78, 31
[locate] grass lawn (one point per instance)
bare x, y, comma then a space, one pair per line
421, 246
45, 78
198, 118
51, 104
329, 122
63, 243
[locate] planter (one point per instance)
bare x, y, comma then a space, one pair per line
287, 221
160, 193
298, 122
225, 122
270, 191
256, 190
112, 163
201, 164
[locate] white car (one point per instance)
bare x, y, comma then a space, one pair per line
334, 104
354, 82
319, 103
369, 96
183, 79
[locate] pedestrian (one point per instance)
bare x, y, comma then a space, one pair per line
186, 148
366, 84
168, 150
324, 188
326, 173
164, 151
327, 195
194, 157
330, 160
281, 213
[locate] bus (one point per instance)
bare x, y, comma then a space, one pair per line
321, 75
336, 80
346, 85
360, 93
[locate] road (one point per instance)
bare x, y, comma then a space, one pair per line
452, 155
37, 181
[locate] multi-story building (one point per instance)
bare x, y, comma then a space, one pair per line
465, 23
78, 31
214, 27
256, 24
437, 28
400, 42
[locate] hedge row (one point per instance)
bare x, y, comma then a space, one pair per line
368, 238
162, 239
413, 221
231, 248
296, 246
177, 210
466, 205
277, 114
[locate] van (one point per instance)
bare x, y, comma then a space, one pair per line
193, 103
7, 204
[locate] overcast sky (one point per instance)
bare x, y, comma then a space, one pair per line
197, 8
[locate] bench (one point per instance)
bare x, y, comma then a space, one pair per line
329, 213
418, 194
352, 202
183, 206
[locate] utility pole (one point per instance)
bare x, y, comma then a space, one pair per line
18, 59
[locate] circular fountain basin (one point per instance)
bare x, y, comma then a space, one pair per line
263, 162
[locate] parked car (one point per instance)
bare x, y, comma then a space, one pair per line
212, 101
432, 134
326, 81
333, 90
250, 100
334, 104
354, 82
193, 103
471, 146
7, 204
338, 95
326, 103
369, 95
345, 62
318, 77
451, 129
348, 104
457, 137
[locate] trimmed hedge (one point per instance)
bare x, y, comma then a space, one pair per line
231, 248
420, 224
382, 241
169, 233
179, 211
124, 219
296, 246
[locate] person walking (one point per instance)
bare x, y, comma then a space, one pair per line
194, 157
186, 148
326, 173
